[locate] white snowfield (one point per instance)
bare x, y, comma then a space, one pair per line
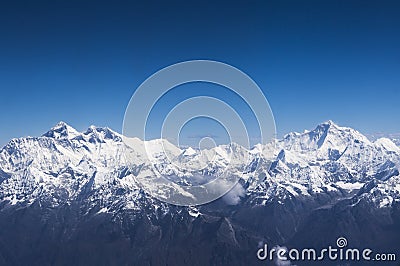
64, 165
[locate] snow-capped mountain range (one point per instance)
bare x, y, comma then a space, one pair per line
64, 164
287, 188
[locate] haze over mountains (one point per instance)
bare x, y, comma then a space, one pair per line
67, 195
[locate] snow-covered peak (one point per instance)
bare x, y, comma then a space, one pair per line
325, 136
93, 134
257, 149
161, 147
62, 131
387, 144
330, 123
189, 151
100, 134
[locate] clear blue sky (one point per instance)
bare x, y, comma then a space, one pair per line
80, 61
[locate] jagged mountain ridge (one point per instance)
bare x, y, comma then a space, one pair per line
299, 176
310, 162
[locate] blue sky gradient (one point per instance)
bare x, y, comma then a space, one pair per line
80, 61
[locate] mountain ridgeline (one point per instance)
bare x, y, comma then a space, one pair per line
72, 197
